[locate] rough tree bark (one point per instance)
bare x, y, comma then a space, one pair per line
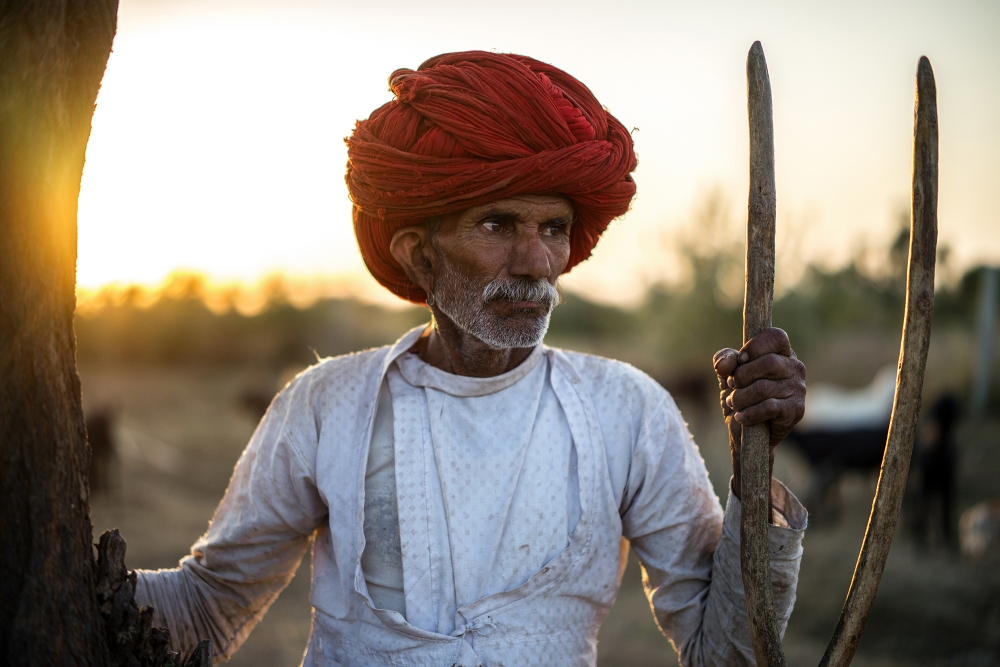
52, 57
57, 606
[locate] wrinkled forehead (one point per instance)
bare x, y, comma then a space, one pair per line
521, 208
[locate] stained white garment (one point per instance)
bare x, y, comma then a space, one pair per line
382, 559
302, 480
502, 482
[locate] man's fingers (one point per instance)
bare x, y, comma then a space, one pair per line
759, 413
769, 367
769, 341
762, 382
758, 392
725, 362
723, 400
782, 413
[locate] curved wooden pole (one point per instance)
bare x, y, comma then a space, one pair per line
754, 464
909, 377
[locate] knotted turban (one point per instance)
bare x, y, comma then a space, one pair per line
469, 128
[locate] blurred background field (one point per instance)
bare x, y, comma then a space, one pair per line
217, 146
186, 372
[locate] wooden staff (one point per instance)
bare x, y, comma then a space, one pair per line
909, 377
754, 451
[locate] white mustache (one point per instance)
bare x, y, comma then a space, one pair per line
540, 291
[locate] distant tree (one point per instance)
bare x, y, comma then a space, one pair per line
52, 57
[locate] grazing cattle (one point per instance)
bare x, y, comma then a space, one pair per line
103, 452
842, 430
933, 471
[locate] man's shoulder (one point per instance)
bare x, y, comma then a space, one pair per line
346, 363
628, 403
613, 381
343, 374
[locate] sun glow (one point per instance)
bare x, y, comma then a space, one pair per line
209, 154
217, 144
243, 296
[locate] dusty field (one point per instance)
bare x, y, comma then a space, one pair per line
181, 431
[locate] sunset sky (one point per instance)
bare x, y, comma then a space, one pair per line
217, 143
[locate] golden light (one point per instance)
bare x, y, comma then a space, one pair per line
217, 141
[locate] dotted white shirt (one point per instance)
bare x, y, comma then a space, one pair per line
484, 482
506, 477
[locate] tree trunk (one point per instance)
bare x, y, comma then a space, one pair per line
52, 57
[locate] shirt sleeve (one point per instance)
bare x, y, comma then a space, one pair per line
689, 548
253, 546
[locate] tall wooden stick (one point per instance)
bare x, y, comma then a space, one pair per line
754, 459
909, 377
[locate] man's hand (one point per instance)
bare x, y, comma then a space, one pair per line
763, 382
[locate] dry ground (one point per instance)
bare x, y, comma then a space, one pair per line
181, 430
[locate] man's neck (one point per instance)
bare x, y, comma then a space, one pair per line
444, 345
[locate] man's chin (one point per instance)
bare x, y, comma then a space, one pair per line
514, 330
502, 325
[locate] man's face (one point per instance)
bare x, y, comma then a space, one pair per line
498, 265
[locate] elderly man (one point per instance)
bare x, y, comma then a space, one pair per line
471, 493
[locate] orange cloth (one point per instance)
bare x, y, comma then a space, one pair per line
473, 127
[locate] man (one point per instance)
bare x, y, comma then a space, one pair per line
468, 489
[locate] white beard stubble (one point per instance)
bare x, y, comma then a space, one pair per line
460, 298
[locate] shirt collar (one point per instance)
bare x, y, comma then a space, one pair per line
419, 373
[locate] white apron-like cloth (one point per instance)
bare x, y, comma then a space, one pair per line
483, 485
482, 470
476, 600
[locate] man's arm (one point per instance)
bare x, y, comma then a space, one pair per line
253, 546
689, 548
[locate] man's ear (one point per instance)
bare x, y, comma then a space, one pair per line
411, 247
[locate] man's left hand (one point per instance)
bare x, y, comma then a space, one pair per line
762, 382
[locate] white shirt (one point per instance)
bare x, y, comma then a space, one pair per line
504, 471
483, 467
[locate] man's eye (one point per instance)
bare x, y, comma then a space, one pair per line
493, 226
554, 229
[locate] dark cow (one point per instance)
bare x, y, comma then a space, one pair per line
849, 434
103, 453
932, 472
830, 453
843, 430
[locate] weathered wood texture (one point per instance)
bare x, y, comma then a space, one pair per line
909, 377
52, 57
131, 638
754, 451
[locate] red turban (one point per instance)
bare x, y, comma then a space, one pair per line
469, 128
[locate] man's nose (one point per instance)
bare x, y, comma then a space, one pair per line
529, 256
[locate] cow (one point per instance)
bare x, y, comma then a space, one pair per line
103, 452
932, 472
842, 430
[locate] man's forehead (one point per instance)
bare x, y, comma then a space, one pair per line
522, 206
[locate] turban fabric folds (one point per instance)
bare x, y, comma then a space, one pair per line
469, 128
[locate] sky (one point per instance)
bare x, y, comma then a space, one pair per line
217, 142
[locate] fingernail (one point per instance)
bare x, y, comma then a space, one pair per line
738, 416
744, 357
730, 382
